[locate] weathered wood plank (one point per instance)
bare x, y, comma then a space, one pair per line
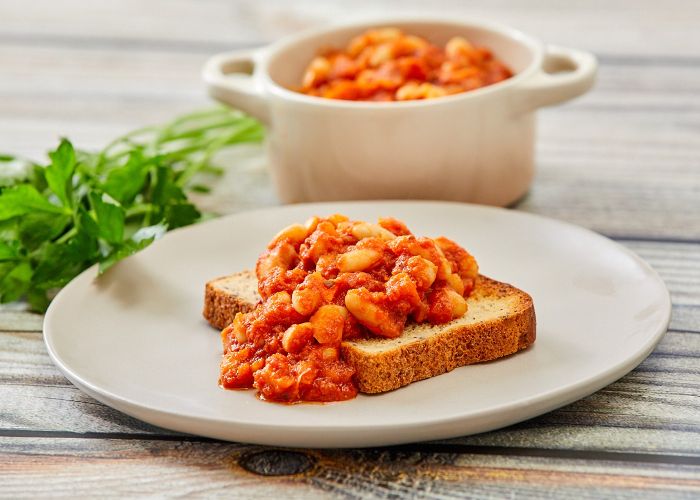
37, 467
15, 317
23, 357
655, 408
609, 27
679, 266
61, 407
623, 160
167, 468
20, 321
685, 318
128, 23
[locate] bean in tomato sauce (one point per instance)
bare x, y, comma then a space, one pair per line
332, 280
387, 64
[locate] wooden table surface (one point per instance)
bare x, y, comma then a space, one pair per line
624, 160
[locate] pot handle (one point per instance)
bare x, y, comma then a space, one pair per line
230, 78
565, 73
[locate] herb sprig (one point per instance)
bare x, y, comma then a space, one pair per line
82, 208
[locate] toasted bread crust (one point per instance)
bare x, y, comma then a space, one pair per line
402, 361
221, 305
450, 347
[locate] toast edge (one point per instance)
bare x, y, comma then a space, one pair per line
444, 352
393, 369
220, 307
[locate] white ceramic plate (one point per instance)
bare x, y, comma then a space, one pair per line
135, 339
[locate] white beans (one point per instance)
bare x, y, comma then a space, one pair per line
295, 234
459, 304
296, 337
358, 260
328, 322
366, 230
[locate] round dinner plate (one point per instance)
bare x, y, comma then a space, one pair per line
135, 338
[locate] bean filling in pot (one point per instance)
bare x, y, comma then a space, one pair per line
388, 65
332, 280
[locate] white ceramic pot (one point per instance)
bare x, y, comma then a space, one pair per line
476, 146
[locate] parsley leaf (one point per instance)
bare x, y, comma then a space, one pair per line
35, 228
82, 208
16, 280
125, 250
123, 184
8, 252
24, 199
60, 172
110, 217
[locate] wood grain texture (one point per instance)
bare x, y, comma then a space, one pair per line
15, 317
623, 160
135, 467
653, 409
615, 27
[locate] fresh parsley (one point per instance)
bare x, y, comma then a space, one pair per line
83, 208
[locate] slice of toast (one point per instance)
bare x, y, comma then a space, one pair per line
500, 320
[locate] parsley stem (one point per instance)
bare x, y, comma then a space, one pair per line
67, 235
113, 202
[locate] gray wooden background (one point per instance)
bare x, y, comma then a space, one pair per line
624, 161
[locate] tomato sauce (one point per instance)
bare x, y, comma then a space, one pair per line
388, 65
332, 280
